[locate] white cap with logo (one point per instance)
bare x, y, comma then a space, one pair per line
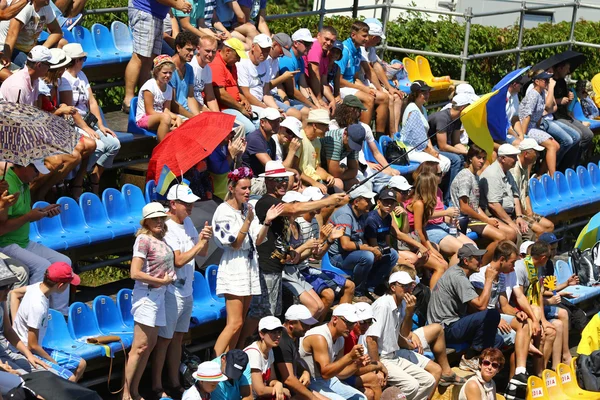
364, 311
39, 54
182, 193
263, 41
299, 312
346, 311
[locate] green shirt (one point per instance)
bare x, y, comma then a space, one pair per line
333, 146
196, 13
19, 236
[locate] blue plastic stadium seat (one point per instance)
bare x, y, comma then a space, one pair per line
83, 324
404, 169
95, 215
68, 36
73, 222
580, 116
205, 308
57, 337
134, 198
110, 321
594, 173
211, 279
124, 303
586, 184
116, 209
327, 266
131, 125
94, 57
150, 192
563, 271
124, 137
122, 37
48, 231
52, 229
540, 203
574, 186
368, 153
105, 45
553, 196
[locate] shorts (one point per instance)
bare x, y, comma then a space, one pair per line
268, 302
420, 333
143, 122
437, 232
351, 380
294, 281
550, 312
66, 363
147, 31
346, 91
321, 280
538, 135
477, 227
418, 359
178, 313
509, 338
403, 246
148, 307
535, 218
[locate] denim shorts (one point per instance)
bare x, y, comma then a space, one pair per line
437, 232
551, 312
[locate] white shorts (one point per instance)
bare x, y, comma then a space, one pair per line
346, 91
148, 307
178, 312
420, 332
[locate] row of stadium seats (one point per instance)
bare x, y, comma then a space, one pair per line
92, 220
561, 384
566, 191
563, 271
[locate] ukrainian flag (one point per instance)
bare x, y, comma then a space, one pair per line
475, 121
164, 181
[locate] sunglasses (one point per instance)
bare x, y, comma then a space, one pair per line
487, 363
366, 322
345, 321
281, 180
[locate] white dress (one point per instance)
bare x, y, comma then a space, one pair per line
238, 269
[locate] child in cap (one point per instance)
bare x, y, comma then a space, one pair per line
207, 378
31, 319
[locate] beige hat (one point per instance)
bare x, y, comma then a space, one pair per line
318, 116
152, 210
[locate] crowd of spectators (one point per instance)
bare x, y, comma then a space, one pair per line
408, 278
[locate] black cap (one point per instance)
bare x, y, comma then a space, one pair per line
419, 86
469, 250
236, 361
387, 194
542, 75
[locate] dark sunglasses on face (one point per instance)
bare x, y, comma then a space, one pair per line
281, 180
366, 322
345, 321
487, 363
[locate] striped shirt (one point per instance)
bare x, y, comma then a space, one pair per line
333, 146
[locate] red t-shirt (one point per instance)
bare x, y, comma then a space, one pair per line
225, 77
317, 55
350, 341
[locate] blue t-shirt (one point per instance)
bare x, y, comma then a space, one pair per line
378, 228
225, 13
255, 144
194, 15
353, 227
182, 85
217, 161
152, 7
350, 61
291, 64
228, 390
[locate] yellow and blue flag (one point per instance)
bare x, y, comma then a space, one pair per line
164, 181
475, 121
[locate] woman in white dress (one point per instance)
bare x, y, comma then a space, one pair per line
238, 232
481, 386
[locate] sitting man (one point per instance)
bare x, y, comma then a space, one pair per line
235, 366
322, 348
520, 172
14, 229
317, 62
451, 297
339, 144
203, 88
366, 263
499, 192
182, 80
312, 173
288, 143
21, 86
31, 320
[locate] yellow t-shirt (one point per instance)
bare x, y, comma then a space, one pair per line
310, 159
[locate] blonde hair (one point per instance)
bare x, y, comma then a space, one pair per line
145, 231
426, 191
405, 268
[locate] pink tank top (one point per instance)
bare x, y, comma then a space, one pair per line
438, 206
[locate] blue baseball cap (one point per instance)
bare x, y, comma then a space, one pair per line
549, 238
356, 136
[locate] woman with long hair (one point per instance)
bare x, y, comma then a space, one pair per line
481, 386
152, 269
238, 233
531, 111
415, 127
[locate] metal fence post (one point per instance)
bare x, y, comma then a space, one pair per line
573, 21
355, 9
521, 23
385, 17
322, 12
465, 53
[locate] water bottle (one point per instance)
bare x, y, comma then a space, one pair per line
453, 230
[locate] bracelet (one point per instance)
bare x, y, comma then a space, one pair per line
245, 233
285, 99
267, 224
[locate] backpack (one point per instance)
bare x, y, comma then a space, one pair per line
584, 266
395, 154
189, 365
588, 371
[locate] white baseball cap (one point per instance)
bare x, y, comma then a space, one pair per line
508, 150
269, 323
530, 144
263, 41
293, 196
362, 191
302, 35
269, 113
347, 311
182, 193
525, 246
293, 124
376, 30
401, 277
462, 99
39, 54
40, 166
299, 312
465, 88
399, 182
313, 193
364, 311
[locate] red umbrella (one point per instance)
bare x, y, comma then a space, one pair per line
189, 144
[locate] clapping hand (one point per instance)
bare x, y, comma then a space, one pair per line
206, 232
274, 212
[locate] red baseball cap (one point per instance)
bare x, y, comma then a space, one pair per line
62, 273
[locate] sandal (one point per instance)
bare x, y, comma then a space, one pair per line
125, 108
448, 380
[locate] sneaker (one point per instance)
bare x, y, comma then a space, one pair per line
517, 387
469, 365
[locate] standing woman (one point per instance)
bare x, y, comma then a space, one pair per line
415, 127
153, 269
238, 233
88, 118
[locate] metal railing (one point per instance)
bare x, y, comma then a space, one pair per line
467, 15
